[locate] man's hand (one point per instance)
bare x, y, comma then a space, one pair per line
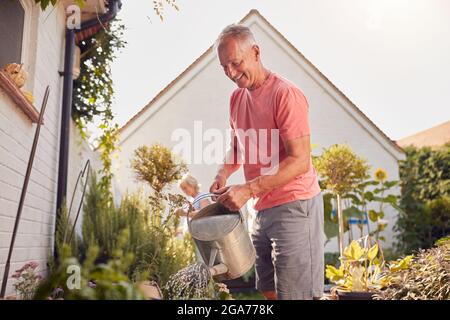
218, 183
234, 197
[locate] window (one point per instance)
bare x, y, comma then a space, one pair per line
12, 18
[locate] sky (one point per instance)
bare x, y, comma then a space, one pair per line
389, 57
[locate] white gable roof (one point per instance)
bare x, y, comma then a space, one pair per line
254, 17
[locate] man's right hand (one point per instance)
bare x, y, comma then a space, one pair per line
218, 183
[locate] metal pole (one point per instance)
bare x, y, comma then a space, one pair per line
24, 191
86, 171
341, 225
65, 127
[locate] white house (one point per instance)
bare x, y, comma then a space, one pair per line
198, 100
35, 38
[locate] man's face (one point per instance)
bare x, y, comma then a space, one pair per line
240, 61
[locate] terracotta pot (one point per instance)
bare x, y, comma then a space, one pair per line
150, 290
356, 295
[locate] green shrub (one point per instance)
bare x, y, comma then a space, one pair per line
64, 232
72, 280
425, 186
158, 254
160, 169
102, 222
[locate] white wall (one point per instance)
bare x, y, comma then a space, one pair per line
79, 152
204, 96
35, 234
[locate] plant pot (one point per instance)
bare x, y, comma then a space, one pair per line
354, 295
150, 290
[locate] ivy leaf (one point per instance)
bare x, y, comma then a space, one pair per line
44, 3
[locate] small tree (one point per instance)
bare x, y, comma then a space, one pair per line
157, 166
341, 170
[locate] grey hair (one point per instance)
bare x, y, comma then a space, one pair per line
237, 31
190, 180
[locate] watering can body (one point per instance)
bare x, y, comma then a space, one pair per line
222, 239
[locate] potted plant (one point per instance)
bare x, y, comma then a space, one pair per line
360, 272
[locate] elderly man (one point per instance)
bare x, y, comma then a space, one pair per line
288, 231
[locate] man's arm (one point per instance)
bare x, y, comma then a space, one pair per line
296, 163
225, 170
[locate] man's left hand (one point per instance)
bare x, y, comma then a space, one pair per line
234, 197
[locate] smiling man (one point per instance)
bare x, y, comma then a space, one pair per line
288, 231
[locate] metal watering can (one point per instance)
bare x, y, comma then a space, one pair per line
222, 239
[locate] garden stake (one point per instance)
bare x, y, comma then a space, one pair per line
87, 168
341, 225
24, 190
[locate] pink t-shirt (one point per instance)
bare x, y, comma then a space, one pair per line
261, 120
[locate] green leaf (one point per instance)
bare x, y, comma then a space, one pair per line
352, 212
390, 184
368, 195
368, 183
377, 190
355, 200
373, 215
331, 229
391, 199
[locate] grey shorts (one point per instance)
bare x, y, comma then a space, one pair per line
289, 242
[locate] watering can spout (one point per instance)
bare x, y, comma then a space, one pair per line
223, 241
218, 269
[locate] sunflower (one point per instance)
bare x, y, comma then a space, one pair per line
380, 175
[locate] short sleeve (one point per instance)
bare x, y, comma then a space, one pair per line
291, 114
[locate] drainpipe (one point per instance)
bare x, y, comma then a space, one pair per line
114, 7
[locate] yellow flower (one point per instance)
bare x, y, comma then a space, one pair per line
380, 175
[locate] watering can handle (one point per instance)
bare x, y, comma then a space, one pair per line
208, 195
204, 196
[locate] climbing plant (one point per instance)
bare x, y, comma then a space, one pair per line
158, 6
93, 90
